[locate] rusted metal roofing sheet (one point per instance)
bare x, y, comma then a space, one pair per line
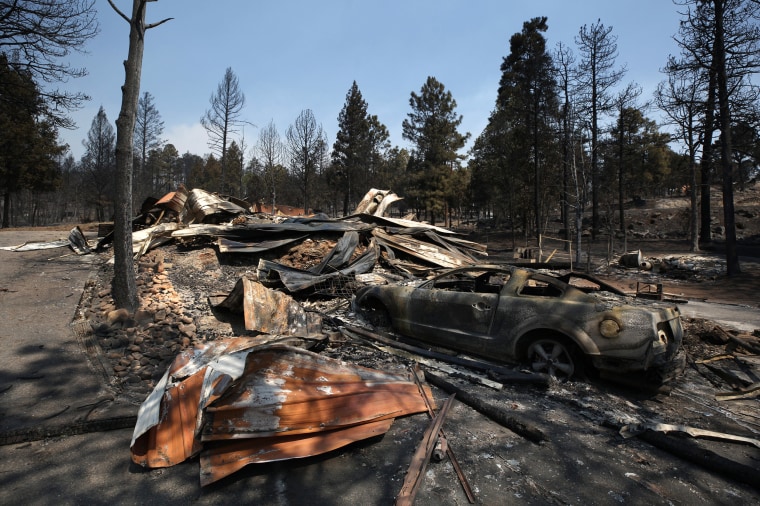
296, 391
240, 402
270, 311
438, 255
174, 201
201, 204
229, 246
220, 460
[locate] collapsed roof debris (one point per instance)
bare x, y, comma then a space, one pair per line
361, 240
241, 400
237, 402
203, 206
76, 241
269, 311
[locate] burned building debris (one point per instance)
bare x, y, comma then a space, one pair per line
303, 258
282, 277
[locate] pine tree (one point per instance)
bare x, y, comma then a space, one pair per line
28, 137
222, 118
271, 154
306, 147
528, 104
597, 76
98, 165
41, 34
431, 127
148, 130
351, 155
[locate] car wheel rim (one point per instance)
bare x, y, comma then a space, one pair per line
552, 358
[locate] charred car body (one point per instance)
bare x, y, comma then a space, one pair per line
513, 314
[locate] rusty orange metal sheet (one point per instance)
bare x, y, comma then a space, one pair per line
296, 391
245, 399
173, 439
224, 458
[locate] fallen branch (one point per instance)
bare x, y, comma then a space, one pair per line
499, 416
691, 451
746, 344
629, 431
726, 337
749, 392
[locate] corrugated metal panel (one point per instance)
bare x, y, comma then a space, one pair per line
224, 458
257, 403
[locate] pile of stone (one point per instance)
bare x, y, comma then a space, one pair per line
138, 347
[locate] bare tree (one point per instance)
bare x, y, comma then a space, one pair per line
98, 165
37, 35
124, 283
564, 61
270, 151
306, 150
624, 101
148, 130
220, 121
597, 76
720, 38
679, 98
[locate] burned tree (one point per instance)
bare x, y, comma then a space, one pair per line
220, 121
124, 283
305, 146
597, 76
37, 35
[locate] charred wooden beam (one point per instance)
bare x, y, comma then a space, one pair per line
529, 432
693, 452
442, 447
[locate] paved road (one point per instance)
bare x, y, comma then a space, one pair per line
739, 317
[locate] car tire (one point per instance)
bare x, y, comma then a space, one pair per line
666, 373
554, 357
377, 315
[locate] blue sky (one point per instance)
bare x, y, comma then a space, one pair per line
291, 55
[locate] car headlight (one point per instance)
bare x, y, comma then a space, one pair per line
609, 328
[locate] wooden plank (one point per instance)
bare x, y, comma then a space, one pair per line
449, 450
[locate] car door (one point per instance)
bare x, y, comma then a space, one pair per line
448, 312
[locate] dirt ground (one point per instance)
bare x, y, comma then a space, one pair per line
582, 459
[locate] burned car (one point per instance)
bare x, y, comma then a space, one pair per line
513, 314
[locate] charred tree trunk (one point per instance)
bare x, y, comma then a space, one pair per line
124, 283
732, 257
6, 210
705, 233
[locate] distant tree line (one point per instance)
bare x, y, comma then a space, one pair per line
566, 137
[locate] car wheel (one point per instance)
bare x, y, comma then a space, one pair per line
553, 357
661, 375
377, 315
